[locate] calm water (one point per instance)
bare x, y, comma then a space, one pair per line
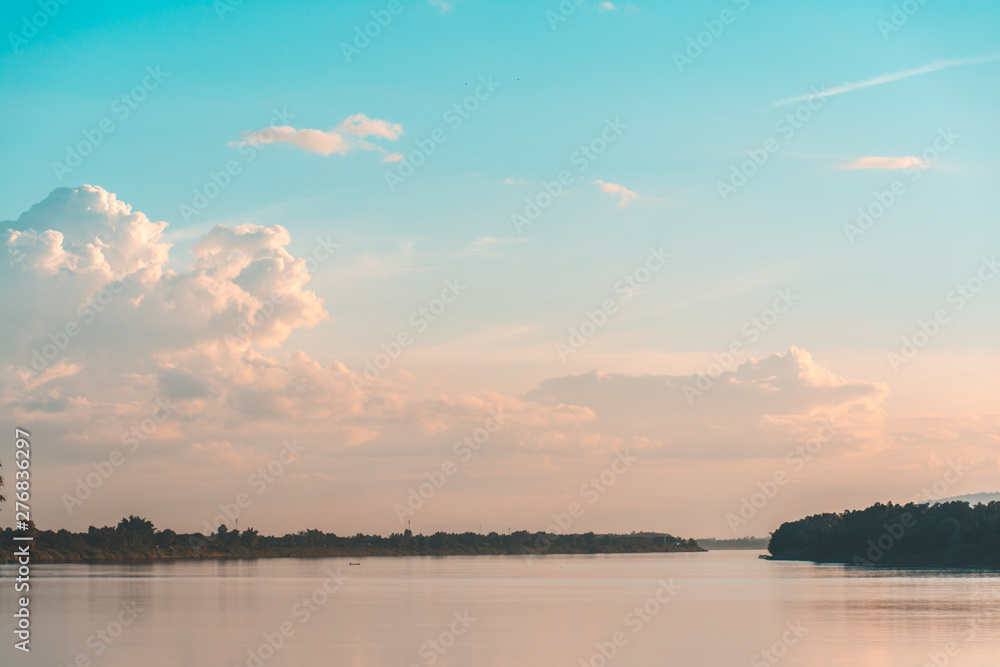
725, 608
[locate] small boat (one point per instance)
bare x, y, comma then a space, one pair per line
354, 563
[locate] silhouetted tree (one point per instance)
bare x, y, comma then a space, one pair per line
944, 534
135, 531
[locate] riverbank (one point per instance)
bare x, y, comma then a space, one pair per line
135, 540
88, 556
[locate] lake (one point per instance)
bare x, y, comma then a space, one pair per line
688, 609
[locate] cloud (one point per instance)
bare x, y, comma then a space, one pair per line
82, 257
487, 246
889, 78
625, 195
107, 239
345, 138
752, 411
606, 7
514, 181
211, 337
905, 162
214, 333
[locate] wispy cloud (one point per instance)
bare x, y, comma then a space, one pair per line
625, 196
488, 246
888, 78
514, 181
606, 6
874, 162
345, 138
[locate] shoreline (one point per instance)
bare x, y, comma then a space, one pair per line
135, 539
47, 557
915, 566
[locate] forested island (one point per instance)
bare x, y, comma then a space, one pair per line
952, 534
136, 539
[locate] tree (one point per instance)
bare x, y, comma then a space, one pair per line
136, 531
165, 538
249, 537
942, 534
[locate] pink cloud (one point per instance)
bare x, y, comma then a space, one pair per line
211, 331
343, 139
905, 162
363, 126
626, 196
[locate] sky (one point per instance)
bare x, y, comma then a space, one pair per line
699, 268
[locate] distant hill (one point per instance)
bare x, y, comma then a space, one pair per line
732, 544
971, 498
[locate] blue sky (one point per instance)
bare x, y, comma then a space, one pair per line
686, 130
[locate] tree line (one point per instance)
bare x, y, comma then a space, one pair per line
136, 538
951, 534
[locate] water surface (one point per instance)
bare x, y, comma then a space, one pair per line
708, 609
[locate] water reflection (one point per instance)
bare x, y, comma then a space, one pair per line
720, 608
